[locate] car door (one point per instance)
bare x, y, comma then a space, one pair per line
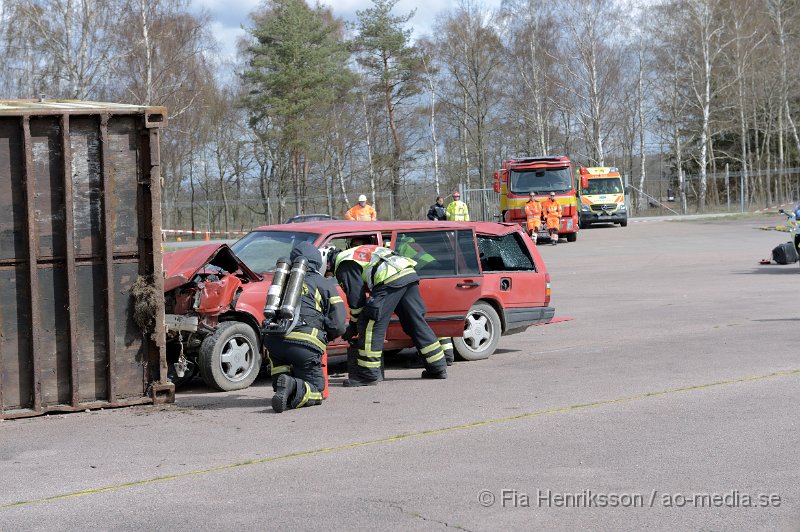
450, 278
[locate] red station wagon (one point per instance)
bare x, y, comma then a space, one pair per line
479, 281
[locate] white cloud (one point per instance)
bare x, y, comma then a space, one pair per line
229, 15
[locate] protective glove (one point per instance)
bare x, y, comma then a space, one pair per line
350, 332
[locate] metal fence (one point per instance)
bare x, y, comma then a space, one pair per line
483, 203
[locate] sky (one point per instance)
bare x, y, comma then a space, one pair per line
229, 16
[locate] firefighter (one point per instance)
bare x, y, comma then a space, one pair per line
552, 213
361, 212
394, 288
437, 213
296, 358
533, 216
409, 248
457, 210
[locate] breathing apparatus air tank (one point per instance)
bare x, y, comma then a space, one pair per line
275, 291
294, 288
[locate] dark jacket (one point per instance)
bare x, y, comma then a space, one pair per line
436, 212
322, 312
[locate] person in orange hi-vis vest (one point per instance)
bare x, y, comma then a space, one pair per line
361, 212
552, 214
533, 216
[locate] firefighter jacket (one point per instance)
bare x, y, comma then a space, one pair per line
361, 214
409, 248
369, 267
457, 211
322, 312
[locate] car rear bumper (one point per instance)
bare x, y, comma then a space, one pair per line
519, 319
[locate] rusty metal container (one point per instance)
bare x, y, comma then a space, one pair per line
80, 230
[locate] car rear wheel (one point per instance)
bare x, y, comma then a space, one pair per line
482, 331
572, 237
230, 358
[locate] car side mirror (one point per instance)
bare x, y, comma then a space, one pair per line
584, 182
781, 211
497, 187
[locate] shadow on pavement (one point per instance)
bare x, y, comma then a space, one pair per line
787, 269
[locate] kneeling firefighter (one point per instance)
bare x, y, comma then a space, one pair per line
394, 288
319, 317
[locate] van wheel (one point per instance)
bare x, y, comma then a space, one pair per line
230, 358
482, 331
572, 237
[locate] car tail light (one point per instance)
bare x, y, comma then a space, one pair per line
546, 289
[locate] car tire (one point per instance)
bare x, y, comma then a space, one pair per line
230, 358
623, 223
572, 237
482, 331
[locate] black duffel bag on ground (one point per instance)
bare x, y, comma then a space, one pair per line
785, 254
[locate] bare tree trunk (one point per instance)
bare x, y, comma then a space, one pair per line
295, 173
370, 162
640, 109
465, 141
434, 145
398, 150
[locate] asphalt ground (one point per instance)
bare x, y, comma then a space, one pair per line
679, 376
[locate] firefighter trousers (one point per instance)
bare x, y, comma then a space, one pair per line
302, 364
406, 302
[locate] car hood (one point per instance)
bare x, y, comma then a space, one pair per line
180, 266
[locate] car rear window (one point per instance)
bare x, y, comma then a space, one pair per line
440, 253
504, 253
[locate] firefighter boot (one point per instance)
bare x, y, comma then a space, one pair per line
428, 374
554, 238
285, 386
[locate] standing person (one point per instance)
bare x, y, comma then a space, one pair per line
394, 288
296, 358
361, 212
437, 212
552, 213
533, 216
457, 210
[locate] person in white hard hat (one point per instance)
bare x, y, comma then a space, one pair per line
361, 212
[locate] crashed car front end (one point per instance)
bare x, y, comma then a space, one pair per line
201, 289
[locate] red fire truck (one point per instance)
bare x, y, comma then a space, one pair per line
541, 175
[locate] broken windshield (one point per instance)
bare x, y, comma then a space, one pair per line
540, 180
260, 250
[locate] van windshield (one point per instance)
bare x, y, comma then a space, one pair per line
540, 180
606, 185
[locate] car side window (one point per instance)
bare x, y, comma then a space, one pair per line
439, 253
467, 259
348, 241
504, 253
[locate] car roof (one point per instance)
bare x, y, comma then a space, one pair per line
340, 226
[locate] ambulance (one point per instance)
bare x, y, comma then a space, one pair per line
601, 196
